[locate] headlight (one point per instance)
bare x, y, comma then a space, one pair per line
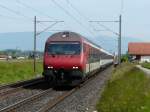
50, 67
75, 67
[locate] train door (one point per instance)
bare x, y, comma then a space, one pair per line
89, 59
86, 55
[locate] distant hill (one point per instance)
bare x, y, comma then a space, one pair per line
111, 43
18, 53
24, 41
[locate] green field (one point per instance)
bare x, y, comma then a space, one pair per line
127, 91
12, 71
146, 65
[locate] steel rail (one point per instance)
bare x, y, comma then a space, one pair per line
14, 90
13, 107
19, 83
59, 99
52, 103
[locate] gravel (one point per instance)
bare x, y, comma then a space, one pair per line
4, 90
40, 102
84, 100
22, 94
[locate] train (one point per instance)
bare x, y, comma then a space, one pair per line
69, 58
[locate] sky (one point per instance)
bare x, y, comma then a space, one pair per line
18, 16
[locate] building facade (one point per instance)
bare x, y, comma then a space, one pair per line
139, 51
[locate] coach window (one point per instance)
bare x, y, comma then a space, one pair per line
92, 55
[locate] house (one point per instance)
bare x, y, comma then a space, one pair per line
139, 51
3, 57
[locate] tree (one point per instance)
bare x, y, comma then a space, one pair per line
125, 57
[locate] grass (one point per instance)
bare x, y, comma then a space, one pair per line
12, 71
127, 91
146, 65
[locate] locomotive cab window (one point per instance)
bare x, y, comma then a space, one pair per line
64, 48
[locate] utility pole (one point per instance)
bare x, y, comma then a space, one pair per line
34, 54
119, 40
38, 33
116, 33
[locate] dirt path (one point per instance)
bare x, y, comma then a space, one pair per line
147, 71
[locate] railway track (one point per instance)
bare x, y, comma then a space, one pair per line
30, 100
52, 102
19, 83
12, 108
7, 90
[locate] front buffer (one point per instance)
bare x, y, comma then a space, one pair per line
63, 77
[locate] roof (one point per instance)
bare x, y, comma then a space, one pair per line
3, 56
63, 36
74, 37
139, 48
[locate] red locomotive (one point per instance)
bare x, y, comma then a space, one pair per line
69, 58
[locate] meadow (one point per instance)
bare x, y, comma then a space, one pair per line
146, 65
128, 90
17, 70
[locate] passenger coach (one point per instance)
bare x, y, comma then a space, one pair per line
69, 58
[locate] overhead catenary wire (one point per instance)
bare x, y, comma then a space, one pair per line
47, 28
40, 13
13, 18
73, 7
107, 29
82, 15
15, 12
68, 13
33, 9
